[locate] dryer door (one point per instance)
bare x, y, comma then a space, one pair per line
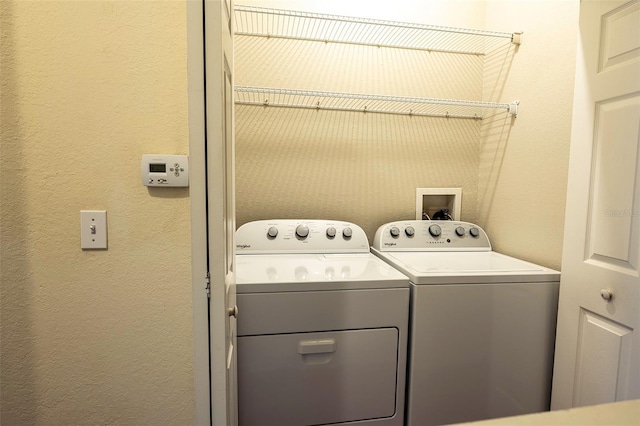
317, 378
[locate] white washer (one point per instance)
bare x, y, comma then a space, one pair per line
482, 324
322, 326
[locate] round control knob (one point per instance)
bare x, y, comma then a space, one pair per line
331, 232
394, 231
272, 232
606, 294
409, 231
302, 231
475, 232
435, 230
459, 231
347, 232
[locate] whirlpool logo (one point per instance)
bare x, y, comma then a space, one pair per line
389, 244
243, 246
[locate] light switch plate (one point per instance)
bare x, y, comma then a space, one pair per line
93, 229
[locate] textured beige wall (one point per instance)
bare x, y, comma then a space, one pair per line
346, 165
523, 164
93, 337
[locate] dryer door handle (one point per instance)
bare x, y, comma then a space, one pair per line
316, 346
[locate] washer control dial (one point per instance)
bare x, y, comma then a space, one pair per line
460, 231
409, 231
394, 231
331, 232
347, 232
435, 230
302, 231
272, 232
475, 232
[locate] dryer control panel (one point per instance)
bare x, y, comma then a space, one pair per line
431, 235
300, 236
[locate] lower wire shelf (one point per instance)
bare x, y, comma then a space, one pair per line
337, 101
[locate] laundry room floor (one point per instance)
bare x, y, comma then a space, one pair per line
624, 413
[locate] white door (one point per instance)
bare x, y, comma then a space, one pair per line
218, 29
598, 339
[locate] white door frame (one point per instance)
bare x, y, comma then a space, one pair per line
198, 195
214, 381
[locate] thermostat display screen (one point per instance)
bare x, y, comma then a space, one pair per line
157, 168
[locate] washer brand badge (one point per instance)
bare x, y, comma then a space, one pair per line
243, 246
389, 244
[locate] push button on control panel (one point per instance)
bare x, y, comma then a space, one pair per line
176, 169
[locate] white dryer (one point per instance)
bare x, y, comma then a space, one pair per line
322, 326
482, 325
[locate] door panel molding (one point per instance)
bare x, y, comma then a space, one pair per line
613, 238
603, 345
620, 37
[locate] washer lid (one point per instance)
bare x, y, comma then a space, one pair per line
314, 272
466, 267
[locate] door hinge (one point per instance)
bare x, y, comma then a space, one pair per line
207, 280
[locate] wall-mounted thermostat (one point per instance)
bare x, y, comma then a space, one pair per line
165, 170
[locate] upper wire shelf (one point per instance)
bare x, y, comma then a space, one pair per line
336, 101
296, 25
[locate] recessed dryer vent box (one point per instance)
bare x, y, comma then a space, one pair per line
431, 200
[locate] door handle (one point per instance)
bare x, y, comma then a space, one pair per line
606, 294
306, 347
233, 312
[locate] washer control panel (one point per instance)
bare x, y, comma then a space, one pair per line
300, 236
431, 235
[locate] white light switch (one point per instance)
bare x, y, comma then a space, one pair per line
93, 229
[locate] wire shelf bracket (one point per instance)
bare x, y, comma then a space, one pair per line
337, 101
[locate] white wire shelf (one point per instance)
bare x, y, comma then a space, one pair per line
296, 25
336, 101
